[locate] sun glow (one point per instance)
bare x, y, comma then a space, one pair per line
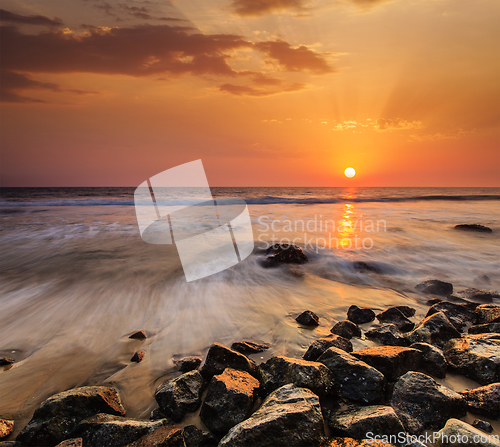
350, 172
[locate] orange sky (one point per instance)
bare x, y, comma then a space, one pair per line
266, 93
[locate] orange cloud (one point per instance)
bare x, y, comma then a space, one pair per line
244, 90
263, 7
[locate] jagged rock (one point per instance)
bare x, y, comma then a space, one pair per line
6, 428
388, 334
407, 311
422, 404
57, 416
279, 254
194, 437
110, 431
75, 442
346, 329
459, 315
485, 328
391, 361
360, 315
456, 429
187, 364
219, 358
279, 371
229, 400
5, 361
473, 227
363, 267
139, 335
349, 442
166, 436
435, 330
488, 313
435, 287
353, 379
484, 401
181, 395
138, 356
357, 422
482, 425
308, 318
433, 360
319, 346
476, 357
289, 417
249, 347
478, 295
395, 316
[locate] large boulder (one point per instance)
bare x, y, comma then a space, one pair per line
435, 329
308, 318
484, 401
354, 380
391, 361
459, 433
249, 347
422, 404
388, 334
435, 287
219, 358
319, 346
488, 313
433, 360
166, 436
279, 254
289, 417
459, 316
279, 371
346, 329
187, 364
181, 395
476, 357
395, 316
360, 315
229, 400
56, 417
194, 437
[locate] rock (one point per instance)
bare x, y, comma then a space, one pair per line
388, 335
473, 227
166, 436
485, 328
422, 404
346, 329
319, 346
433, 301
395, 316
6, 428
357, 422
459, 315
349, 442
415, 443
289, 417
488, 313
482, 425
364, 267
57, 416
75, 442
435, 330
5, 361
229, 400
279, 254
249, 347
138, 356
458, 433
435, 287
139, 335
110, 431
360, 315
391, 361
187, 364
433, 360
476, 357
194, 437
308, 318
279, 371
477, 295
407, 311
181, 395
219, 358
156, 414
484, 401
11, 444
353, 379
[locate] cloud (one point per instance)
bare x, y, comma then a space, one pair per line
245, 90
262, 7
395, 124
11, 17
455, 135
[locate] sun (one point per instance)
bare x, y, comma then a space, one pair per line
350, 172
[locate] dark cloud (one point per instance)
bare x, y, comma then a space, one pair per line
245, 90
263, 7
11, 17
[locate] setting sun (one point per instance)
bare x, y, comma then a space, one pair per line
350, 172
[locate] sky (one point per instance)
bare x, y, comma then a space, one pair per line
265, 92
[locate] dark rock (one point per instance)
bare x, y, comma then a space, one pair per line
357, 422
11, 444
138, 356
308, 318
482, 425
249, 347
346, 329
349, 442
433, 301
433, 360
319, 346
157, 414
110, 431
6, 428
194, 437
407, 311
388, 335
229, 400
57, 416
219, 358
476, 357
139, 335
166, 436
353, 379
395, 316
391, 361
360, 315
484, 401
479, 296
459, 315
364, 267
422, 404
473, 227
485, 328
279, 371
456, 430
187, 364
488, 313
435, 330
279, 254
181, 395
289, 417
435, 287
75, 442
5, 361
